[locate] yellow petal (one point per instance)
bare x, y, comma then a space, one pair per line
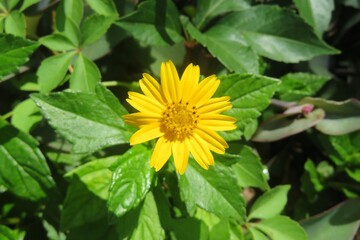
204, 91
200, 151
169, 81
151, 88
144, 103
140, 118
218, 122
215, 141
215, 105
180, 152
189, 80
161, 153
146, 133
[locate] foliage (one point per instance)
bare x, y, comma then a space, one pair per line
290, 68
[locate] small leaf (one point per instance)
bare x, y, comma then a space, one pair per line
215, 190
52, 71
340, 222
104, 7
24, 171
14, 52
282, 228
8, 234
28, 3
11, 4
25, 115
94, 27
131, 180
86, 75
270, 204
90, 127
257, 234
155, 22
57, 42
15, 24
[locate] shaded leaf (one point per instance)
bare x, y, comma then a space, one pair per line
25, 115
94, 27
28, 3
103, 7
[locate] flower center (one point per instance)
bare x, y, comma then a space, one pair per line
179, 120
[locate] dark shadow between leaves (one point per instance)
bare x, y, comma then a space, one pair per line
160, 20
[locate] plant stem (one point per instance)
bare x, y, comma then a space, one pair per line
116, 83
7, 115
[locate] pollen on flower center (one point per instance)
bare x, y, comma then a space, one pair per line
179, 120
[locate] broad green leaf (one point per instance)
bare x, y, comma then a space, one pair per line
226, 44
28, 3
148, 226
343, 150
103, 7
84, 119
85, 76
131, 180
257, 235
87, 193
14, 52
94, 27
270, 204
52, 71
250, 94
7, 233
282, 228
155, 22
24, 171
208, 9
220, 231
25, 115
295, 86
68, 18
106, 96
189, 229
215, 190
279, 126
264, 30
74, 10
15, 24
317, 13
340, 118
340, 222
57, 42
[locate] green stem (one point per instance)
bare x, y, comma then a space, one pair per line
116, 83
7, 115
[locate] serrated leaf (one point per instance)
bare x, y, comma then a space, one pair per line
226, 44
340, 118
24, 171
14, 52
250, 94
270, 204
208, 9
215, 190
317, 13
154, 23
131, 180
340, 222
94, 27
25, 115
104, 7
84, 119
282, 228
57, 42
15, 24
264, 30
85, 201
52, 71
85, 76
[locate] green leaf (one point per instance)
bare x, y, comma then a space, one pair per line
257, 235
220, 231
282, 228
57, 42
25, 115
131, 180
226, 44
74, 10
8, 234
24, 171
279, 126
15, 24
87, 193
340, 117
270, 204
311, 183
295, 86
92, 126
103, 7
250, 94
14, 52
52, 71
189, 229
264, 30
148, 226
86, 75
94, 27
155, 22
317, 13
340, 222
28, 3
208, 9
215, 190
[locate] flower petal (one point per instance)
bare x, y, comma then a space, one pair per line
204, 91
200, 151
169, 81
151, 88
144, 103
215, 142
218, 122
140, 118
189, 79
146, 133
215, 105
180, 152
161, 153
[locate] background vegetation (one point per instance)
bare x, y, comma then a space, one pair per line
291, 68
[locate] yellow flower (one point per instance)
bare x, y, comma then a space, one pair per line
182, 114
